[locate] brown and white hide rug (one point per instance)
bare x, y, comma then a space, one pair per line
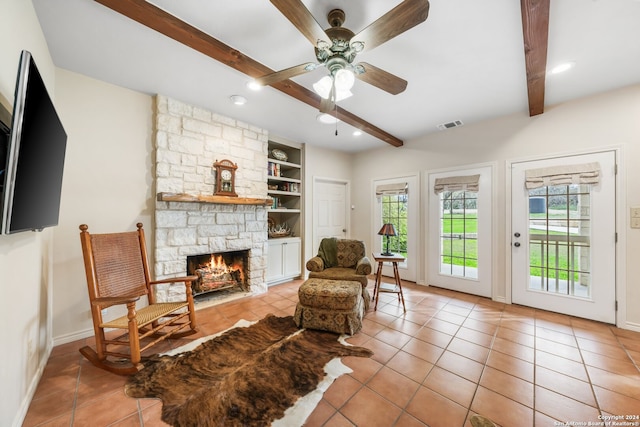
246, 376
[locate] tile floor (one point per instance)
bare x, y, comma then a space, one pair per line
450, 356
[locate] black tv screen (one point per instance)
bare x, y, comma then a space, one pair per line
35, 163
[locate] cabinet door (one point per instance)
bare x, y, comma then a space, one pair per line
291, 254
275, 262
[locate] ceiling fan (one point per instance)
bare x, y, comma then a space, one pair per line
337, 47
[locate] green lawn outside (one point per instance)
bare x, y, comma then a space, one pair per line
454, 250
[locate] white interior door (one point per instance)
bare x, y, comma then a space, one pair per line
460, 234
330, 210
563, 240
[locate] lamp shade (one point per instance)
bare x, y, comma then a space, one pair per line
387, 230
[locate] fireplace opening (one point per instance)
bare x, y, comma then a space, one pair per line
219, 271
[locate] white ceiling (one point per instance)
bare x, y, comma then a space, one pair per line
465, 62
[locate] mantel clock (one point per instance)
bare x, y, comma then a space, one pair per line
225, 178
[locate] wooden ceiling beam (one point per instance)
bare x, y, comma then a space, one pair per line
161, 21
535, 30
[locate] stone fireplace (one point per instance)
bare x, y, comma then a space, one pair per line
188, 141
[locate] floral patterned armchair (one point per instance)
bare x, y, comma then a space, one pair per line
342, 259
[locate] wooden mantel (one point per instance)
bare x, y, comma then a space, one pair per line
223, 200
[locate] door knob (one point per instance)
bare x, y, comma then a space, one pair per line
517, 234
516, 244
344, 230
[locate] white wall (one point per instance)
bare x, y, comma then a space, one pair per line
606, 120
107, 184
25, 258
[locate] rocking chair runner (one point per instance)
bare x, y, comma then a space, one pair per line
118, 274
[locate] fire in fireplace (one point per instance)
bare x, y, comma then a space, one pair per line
220, 271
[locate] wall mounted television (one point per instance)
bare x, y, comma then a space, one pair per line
34, 156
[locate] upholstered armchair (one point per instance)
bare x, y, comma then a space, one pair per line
342, 259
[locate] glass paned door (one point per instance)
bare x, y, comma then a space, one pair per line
459, 233
563, 240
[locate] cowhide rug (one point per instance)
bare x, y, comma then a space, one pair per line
247, 376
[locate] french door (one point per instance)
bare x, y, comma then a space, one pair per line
563, 239
460, 232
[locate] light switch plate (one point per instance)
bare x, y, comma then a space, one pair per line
635, 222
635, 212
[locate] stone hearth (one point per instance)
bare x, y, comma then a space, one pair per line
188, 141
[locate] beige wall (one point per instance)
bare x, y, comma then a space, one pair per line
602, 121
25, 258
107, 184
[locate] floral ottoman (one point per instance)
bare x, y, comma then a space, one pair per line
330, 305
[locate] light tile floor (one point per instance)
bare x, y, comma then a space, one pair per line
450, 356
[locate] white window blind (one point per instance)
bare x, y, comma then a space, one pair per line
457, 183
587, 173
391, 189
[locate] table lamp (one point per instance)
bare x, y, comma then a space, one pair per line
387, 230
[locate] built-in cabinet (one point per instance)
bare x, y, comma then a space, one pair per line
284, 262
284, 186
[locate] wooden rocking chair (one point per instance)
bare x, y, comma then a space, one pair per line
118, 274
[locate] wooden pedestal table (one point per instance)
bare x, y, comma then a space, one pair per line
380, 287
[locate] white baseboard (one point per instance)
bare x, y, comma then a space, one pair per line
24, 406
64, 339
632, 326
500, 299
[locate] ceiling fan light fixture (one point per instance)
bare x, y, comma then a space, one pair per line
345, 80
341, 95
323, 87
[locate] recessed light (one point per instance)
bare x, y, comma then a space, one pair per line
327, 119
357, 133
238, 99
253, 85
561, 68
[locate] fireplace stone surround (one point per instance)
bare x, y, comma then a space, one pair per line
188, 140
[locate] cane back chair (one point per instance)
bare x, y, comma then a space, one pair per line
117, 272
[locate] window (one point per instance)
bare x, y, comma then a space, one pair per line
395, 211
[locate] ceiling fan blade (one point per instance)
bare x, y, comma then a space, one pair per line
381, 79
401, 18
296, 12
285, 74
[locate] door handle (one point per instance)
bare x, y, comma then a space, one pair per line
516, 244
516, 234
344, 230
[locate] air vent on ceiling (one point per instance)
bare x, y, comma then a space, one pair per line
453, 124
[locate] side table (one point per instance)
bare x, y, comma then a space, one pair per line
380, 287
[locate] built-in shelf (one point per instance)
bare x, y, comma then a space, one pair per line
223, 200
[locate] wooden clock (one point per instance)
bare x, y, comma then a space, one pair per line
225, 178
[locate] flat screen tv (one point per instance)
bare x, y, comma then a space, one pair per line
35, 156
